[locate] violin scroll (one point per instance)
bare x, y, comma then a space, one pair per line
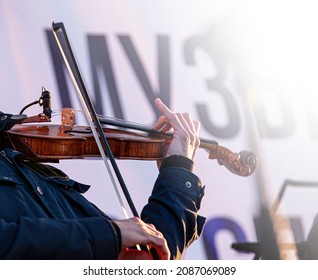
249, 159
242, 164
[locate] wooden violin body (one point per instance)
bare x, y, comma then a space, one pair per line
53, 142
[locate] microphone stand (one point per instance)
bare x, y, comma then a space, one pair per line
256, 247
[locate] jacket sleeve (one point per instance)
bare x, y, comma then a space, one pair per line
85, 238
173, 208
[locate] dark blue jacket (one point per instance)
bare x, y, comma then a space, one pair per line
46, 217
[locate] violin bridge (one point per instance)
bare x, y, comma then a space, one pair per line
68, 116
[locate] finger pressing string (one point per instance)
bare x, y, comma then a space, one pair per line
160, 123
194, 127
197, 126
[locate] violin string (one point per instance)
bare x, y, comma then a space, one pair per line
57, 112
125, 122
112, 120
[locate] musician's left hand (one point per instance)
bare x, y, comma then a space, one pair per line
185, 131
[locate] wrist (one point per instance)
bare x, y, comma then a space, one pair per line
118, 232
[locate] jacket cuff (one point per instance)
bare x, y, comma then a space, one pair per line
104, 238
117, 229
177, 161
182, 182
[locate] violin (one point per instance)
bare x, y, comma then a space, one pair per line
54, 142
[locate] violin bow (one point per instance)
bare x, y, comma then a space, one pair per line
92, 118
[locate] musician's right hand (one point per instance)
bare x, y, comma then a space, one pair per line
134, 231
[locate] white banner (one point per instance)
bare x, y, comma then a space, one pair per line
245, 69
